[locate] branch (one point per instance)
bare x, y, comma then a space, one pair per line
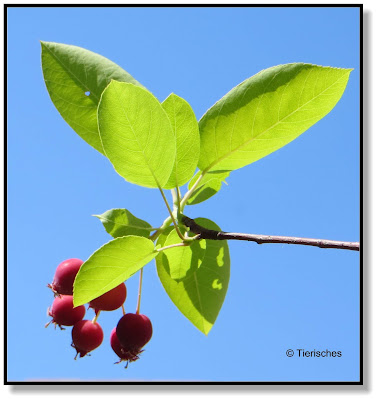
260, 239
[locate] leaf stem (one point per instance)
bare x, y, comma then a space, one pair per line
174, 197
173, 245
191, 191
182, 203
139, 294
171, 215
164, 225
176, 194
155, 235
179, 199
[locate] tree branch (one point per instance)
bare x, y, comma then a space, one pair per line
260, 239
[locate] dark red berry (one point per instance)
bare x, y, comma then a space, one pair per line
120, 351
133, 331
65, 275
111, 300
86, 336
63, 313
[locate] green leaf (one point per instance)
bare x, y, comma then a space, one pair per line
120, 222
181, 262
136, 134
200, 295
186, 130
110, 265
267, 111
209, 186
75, 79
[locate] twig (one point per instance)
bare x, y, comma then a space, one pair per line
260, 239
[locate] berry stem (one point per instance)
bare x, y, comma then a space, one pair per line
123, 310
94, 320
139, 294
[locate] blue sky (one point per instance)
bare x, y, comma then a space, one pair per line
280, 297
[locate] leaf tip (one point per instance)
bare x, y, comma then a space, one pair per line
43, 44
206, 330
76, 303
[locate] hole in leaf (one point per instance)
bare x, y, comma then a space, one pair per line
216, 284
220, 257
87, 93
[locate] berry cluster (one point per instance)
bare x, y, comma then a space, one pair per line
127, 339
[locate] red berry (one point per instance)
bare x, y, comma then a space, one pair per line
63, 313
86, 336
133, 331
65, 275
111, 300
115, 344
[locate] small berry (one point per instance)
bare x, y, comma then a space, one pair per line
115, 345
110, 300
134, 331
63, 313
120, 351
65, 275
86, 336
